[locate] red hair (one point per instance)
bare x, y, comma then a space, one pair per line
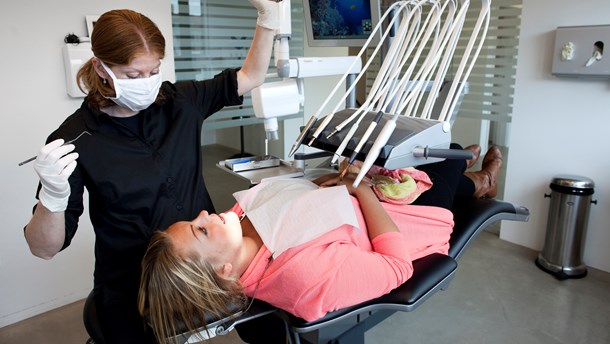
118, 37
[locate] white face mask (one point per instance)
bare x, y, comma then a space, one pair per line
135, 94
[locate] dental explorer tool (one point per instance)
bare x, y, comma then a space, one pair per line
379, 143
66, 143
301, 136
362, 142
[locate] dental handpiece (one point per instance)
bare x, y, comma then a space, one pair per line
366, 136
301, 136
65, 143
344, 143
321, 127
373, 153
350, 133
362, 141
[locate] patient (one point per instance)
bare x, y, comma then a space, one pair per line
301, 247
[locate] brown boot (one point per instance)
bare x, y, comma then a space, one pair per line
476, 151
486, 180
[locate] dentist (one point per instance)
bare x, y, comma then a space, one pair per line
140, 160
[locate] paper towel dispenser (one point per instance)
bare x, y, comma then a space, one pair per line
582, 52
75, 55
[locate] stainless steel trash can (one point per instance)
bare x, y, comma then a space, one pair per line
566, 227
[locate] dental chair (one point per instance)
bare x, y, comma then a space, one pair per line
396, 90
431, 274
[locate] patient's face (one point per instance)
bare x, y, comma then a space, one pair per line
216, 238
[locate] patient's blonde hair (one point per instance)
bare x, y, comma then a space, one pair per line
176, 289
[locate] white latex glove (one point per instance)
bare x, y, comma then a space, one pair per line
268, 13
54, 165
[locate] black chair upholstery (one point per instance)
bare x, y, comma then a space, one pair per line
91, 321
431, 273
471, 216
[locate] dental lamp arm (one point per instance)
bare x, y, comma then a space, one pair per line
282, 98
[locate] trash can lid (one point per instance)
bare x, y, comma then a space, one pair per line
573, 181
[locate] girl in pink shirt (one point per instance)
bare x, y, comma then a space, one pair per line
203, 266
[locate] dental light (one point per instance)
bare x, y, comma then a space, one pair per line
282, 98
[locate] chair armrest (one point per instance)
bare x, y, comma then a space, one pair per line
472, 215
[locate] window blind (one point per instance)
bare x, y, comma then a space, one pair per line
492, 79
212, 35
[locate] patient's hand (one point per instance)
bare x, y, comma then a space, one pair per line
347, 180
325, 178
375, 216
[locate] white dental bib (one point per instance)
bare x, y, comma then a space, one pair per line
290, 212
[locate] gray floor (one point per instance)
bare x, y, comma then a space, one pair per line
498, 296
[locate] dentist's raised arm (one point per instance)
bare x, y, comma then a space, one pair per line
254, 69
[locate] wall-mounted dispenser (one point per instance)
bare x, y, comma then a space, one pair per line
582, 52
75, 55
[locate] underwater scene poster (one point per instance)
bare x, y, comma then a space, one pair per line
332, 19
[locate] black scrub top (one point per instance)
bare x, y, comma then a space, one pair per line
141, 182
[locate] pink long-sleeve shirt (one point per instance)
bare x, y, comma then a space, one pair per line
343, 267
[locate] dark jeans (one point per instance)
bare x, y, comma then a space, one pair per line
448, 182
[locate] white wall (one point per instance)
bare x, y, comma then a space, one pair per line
559, 126
34, 102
